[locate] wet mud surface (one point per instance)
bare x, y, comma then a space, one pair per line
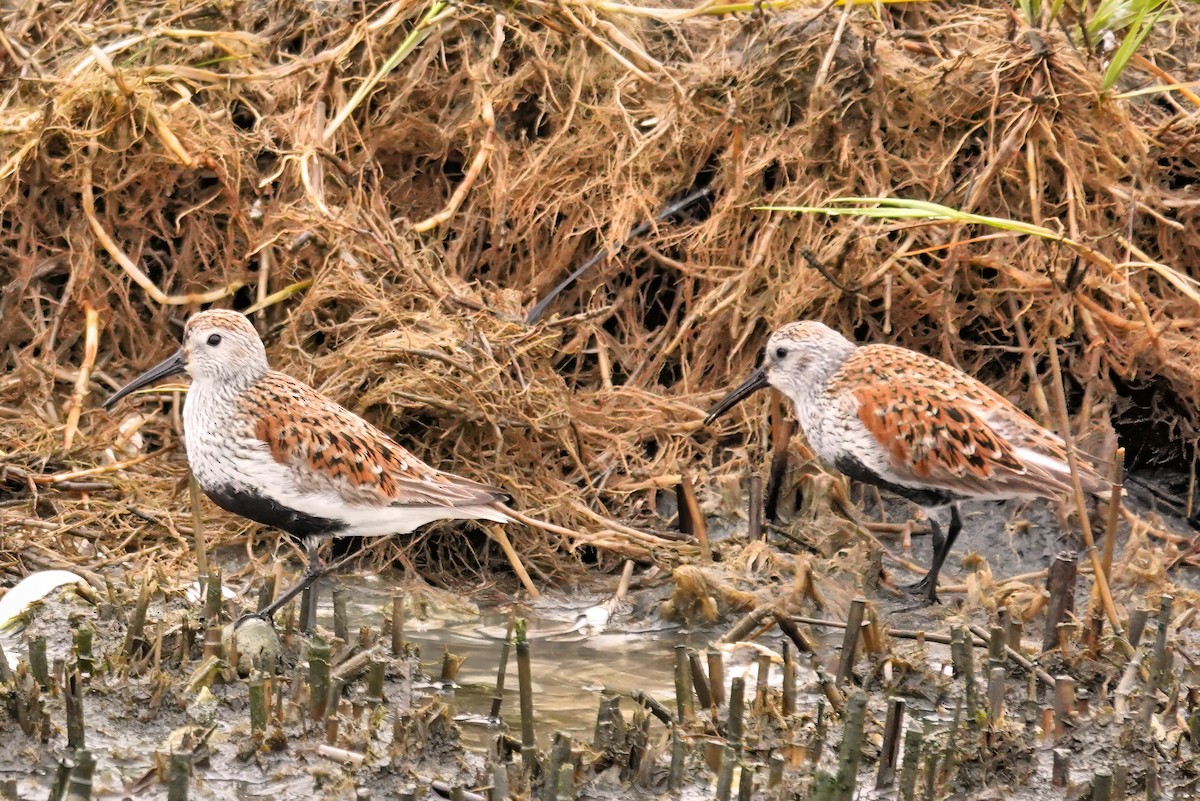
167, 692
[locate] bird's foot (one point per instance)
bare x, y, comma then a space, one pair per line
265, 617
925, 602
926, 588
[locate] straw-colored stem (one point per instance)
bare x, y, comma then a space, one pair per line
83, 378
417, 35
514, 559
1085, 525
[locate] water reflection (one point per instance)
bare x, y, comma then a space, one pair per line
570, 667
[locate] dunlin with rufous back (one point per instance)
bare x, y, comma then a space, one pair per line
913, 425
269, 448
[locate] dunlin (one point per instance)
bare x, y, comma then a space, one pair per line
913, 425
269, 448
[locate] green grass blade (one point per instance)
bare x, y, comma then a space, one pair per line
1137, 33
890, 208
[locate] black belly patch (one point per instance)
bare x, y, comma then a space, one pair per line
852, 467
270, 512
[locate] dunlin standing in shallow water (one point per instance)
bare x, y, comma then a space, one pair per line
267, 447
913, 425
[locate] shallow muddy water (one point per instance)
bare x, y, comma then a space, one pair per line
570, 665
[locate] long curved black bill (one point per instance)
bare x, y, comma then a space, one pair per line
756, 381
172, 365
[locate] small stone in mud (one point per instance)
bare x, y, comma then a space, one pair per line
202, 710
256, 642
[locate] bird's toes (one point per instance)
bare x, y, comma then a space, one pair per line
917, 587
251, 616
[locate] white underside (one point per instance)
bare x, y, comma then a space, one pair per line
379, 521
220, 460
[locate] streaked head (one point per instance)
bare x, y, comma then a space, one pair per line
798, 356
219, 347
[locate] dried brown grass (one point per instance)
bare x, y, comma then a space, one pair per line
185, 156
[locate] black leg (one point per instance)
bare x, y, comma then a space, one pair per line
941, 549
311, 574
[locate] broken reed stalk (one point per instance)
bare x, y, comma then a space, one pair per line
308, 608
1158, 670
1064, 703
450, 665
746, 784
716, 678
38, 666
789, 681
699, 680
605, 733
266, 592
198, 530
318, 678
397, 625
177, 776
137, 622
725, 774
375, 678
1160, 665
913, 741
502, 668
890, 750
802, 643
499, 782
560, 752
341, 622
73, 699
749, 622
996, 680
525, 690
258, 704
963, 657
997, 639
685, 708
1114, 510
760, 686
1014, 631
1137, 625
850, 752
58, 785
1099, 576
775, 766
1013, 654
1060, 772
1060, 583
212, 597
850, 640
817, 744
1194, 716
737, 710
782, 429
691, 518
79, 785
675, 776
754, 529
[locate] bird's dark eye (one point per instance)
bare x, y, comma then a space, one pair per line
214, 340
781, 353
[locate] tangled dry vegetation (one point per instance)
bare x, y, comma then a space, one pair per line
395, 227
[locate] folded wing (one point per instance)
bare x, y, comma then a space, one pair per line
329, 449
